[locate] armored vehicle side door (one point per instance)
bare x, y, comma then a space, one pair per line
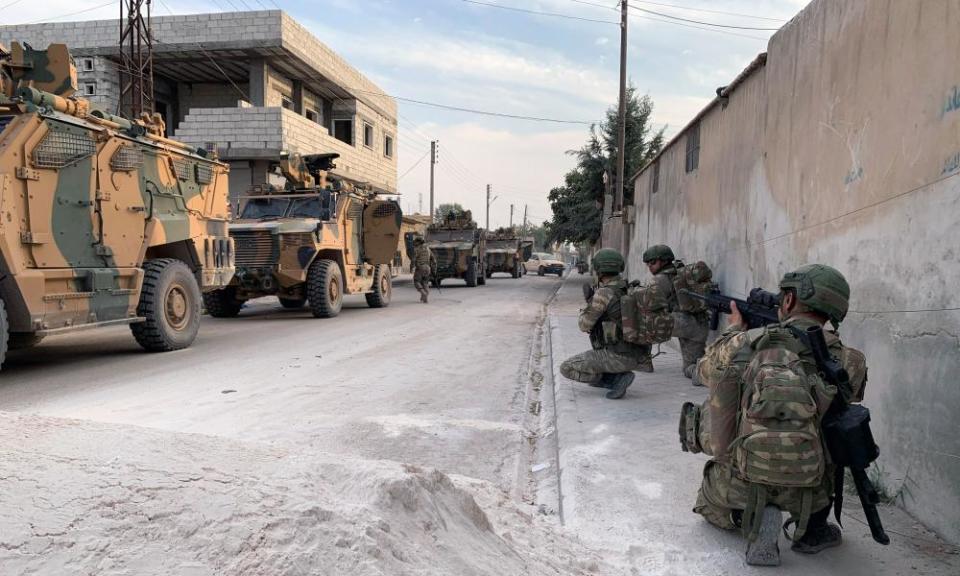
60, 170
352, 223
121, 203
381, 231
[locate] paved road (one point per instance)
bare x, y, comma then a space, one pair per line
440, 385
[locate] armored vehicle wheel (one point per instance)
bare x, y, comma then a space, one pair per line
471, 275
170, 302
435, 282
21, 340
4, 333
382, 288
540, 271
292, 303
560, 274
325, 288
516, 271
222, 303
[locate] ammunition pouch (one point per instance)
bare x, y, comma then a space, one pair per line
849, 439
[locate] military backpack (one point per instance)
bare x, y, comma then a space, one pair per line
697, 278
645, 314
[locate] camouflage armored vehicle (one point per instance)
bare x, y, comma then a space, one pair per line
102, 220
504, 253
318, 238
460, 248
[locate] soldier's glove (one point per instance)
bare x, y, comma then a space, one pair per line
588, 292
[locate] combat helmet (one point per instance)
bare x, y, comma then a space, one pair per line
658, 252
608, 261
820, 288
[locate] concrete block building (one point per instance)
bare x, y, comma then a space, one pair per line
253, 84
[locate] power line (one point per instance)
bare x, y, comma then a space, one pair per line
688, 8
415, 164
5, 6
662, 15
540, 13
61, 16
474, 110
715, 30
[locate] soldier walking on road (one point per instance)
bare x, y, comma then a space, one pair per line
424, 263
611, 362
690, 318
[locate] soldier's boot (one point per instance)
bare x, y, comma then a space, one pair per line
425, 296
620, 384
689, 369
765, 549
605, 381
820, 534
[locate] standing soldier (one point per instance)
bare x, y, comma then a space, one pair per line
424, 263
611, 362
690, 318
762, 423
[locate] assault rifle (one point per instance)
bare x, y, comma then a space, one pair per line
759, 309
846, 432
846, 427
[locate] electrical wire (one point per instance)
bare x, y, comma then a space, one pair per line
662, 15
69, 14
15, 2
688, 8
415, 164
539, 13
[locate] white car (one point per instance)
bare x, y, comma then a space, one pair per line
543, 263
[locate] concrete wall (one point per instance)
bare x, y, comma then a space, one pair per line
845, 149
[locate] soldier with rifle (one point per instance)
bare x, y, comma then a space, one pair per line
781, 422
612, 360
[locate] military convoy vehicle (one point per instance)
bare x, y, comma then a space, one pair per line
316, 239
505, 252
103, 221
460, 249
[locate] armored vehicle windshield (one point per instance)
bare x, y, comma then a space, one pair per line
263, 208
296, 206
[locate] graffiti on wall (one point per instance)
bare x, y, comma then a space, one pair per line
952, 103
951, 165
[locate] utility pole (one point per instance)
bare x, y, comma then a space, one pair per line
136, 59
433, 162
621, 136
489, 202
524, 219
420, 203
511, 215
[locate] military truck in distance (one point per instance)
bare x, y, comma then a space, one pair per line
460, 248
505, 253
318, 238
102, 220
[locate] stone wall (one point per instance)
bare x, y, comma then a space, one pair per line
252, 133
845, 149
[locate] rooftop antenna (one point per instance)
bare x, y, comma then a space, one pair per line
136, 58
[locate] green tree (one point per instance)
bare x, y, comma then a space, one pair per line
440, 212
578, 204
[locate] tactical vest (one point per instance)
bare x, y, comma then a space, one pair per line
645, 314
696, 278
608, 333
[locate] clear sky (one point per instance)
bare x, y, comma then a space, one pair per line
469, 55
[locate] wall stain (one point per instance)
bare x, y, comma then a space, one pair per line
853, 175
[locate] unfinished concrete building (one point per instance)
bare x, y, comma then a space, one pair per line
253, 84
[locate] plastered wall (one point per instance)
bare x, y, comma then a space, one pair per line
845, 149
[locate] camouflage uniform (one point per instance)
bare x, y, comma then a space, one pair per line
691, 330
722, 490
606, 357
423, 264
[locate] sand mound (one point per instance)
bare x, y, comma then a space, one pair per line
78, 497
